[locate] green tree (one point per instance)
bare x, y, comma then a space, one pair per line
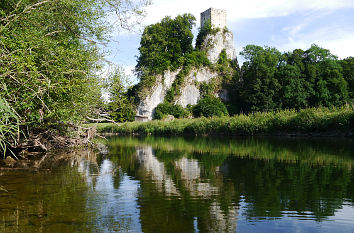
259, 84
299, 79
348, 74
164, 109
209, 106
294, 93
295, 89
121, 106
324, 72
50, 56
163, 45
203, 32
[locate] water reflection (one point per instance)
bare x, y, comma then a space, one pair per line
180, 183
186, 185
202, 188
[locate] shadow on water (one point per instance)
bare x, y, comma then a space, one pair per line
160, 184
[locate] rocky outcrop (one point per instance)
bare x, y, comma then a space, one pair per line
190, 93
214, 43
156, 94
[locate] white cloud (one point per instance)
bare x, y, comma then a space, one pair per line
240, 9
338, 40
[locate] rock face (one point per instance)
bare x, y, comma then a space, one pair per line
190, 93
214, 44
157, 94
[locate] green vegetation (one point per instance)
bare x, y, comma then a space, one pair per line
163, 45
330, 121
121, 105
49, 60
348, 74
203, 32
271, 80
164, 109
9, 126
210, 106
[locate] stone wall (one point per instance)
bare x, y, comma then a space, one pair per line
217, 17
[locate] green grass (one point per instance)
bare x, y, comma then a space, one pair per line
330, 121
9, 127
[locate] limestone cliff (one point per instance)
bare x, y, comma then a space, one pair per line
214, 43
190, 91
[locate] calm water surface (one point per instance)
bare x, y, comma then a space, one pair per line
186, 185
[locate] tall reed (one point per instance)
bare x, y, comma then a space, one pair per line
9, 127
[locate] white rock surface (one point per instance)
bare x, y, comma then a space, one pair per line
214, 44
157, 94
190, 93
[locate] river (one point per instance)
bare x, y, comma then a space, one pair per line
162, 184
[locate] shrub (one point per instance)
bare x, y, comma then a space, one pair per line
203, 32
164, 109
210, 106
197, 59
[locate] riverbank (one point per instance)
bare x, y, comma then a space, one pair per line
307, 122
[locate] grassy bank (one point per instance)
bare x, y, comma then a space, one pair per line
313, 121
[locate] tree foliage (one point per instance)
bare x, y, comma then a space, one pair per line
164, 109
121, 105
209, 106
348, 74
50, 55
272, 80
163, 45
203, 32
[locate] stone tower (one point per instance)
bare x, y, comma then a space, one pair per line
217, 18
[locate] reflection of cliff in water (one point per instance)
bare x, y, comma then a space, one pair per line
182, 181
269, 178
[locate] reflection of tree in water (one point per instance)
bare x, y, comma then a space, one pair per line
46, 201
273, 187
270, 186
175, 193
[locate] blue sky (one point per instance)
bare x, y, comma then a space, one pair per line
284, 24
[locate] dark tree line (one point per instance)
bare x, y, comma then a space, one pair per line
272, 80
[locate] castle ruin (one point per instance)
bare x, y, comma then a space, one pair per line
216, 17
190, 92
